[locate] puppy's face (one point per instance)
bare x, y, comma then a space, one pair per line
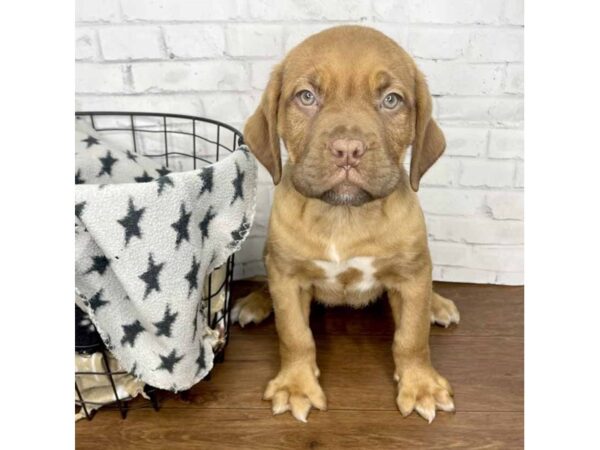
347, 103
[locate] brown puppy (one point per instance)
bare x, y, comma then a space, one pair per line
346, 224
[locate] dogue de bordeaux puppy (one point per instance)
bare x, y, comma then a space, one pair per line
346, 224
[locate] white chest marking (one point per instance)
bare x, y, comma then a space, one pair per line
335, 266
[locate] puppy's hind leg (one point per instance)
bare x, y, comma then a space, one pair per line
443, 311
255, 307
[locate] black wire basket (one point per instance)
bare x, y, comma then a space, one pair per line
182, 142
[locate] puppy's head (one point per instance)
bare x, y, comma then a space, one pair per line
347, 103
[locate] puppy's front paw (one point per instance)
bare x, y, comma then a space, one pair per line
443, 311
424, 390
255, 307
296, 389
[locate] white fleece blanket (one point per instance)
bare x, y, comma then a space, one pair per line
145, 240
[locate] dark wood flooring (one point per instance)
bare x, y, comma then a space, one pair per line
482, 358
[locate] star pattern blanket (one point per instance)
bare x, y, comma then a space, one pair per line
145, 240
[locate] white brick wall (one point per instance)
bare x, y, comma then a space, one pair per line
118, 43
212, 59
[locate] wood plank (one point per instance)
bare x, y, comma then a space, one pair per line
246, 429
482, 358
356, 373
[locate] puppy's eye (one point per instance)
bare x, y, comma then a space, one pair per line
391, 101
306, 97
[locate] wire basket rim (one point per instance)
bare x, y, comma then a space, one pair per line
231, 128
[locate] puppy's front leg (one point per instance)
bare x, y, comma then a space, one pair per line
420, 387
296, 387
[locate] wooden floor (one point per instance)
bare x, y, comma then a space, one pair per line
482, 358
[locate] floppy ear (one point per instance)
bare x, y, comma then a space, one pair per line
429, 143
260, 132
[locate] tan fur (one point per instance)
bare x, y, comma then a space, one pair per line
320, 247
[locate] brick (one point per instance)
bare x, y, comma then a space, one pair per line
194, 41
391, 11
515, 82
513, 12
505, 205
260, 73
228, 107
126, 43
481, 173
498, 258
100, 78
464, 141
475, 74
436, 273
182, 10
496, 45
466, 275
264, 200
434, 107
189, 76
172, 103
434, 43
97, 11
294, 34
449, 254
495, 111
456, 11
254, 40
398, 34
475, 230
506, 143
85, 44
450, 201
443, 173
308, 10
248, 270
510, 278
520, 175
251, 247
458, 78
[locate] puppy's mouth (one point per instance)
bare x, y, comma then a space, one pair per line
344, 186
346, 189
346, 194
